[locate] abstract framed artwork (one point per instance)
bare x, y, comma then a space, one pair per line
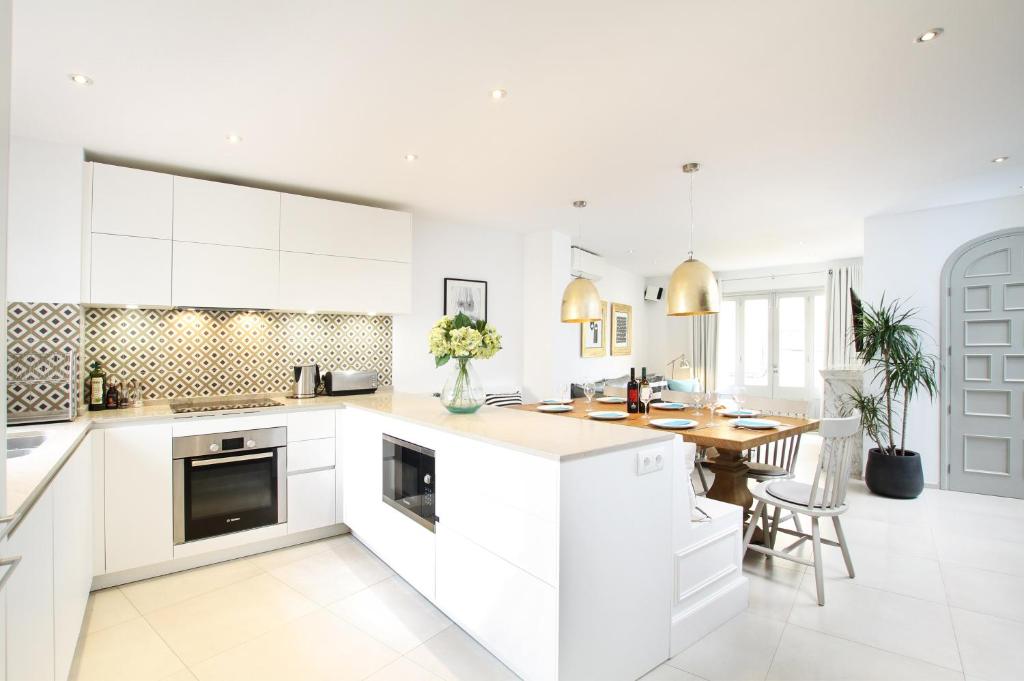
622, 329
593, 335
468, 296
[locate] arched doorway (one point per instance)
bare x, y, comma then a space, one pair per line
982, 380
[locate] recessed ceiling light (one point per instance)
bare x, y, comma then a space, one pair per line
411, 157
80, 79
499, 94
233, 139
1001, 159
929, 35
630, 252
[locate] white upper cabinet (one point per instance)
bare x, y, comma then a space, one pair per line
207, 275
131, 202
128, 270
311, 225
225, 214
330, 284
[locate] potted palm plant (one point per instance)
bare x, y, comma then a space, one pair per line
890, 346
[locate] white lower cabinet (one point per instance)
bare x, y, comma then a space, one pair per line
310, 500
497, 603
72, 554
137, 486
30, 614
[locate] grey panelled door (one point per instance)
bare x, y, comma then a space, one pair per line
986, 368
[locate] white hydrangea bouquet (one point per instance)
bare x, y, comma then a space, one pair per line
463, 339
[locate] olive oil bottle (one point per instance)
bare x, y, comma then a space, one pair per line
96, 387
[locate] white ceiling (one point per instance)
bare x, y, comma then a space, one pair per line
807, 115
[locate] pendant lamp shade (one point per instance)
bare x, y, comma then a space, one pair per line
693, 289
580, 301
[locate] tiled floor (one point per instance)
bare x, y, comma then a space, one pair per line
939, 594
324, 610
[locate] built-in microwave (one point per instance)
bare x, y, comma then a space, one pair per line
409, 480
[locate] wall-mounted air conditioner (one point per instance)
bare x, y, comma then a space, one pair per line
587, 265
654, 293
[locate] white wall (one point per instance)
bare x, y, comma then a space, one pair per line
44, 234
444, 250
5, 134
668, 337
903, 258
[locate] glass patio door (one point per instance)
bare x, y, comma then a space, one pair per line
772, 344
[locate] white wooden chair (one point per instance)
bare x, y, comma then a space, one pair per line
775, 460
825, 497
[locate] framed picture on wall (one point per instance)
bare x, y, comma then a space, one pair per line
622, 329
592, 335
465, 295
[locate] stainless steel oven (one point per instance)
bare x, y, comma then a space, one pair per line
229, 482
409, 481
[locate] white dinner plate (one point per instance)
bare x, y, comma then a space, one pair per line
554, 408
556, 401
611, 400
740, 412
607, 415
676, 424
671, 406
756, 424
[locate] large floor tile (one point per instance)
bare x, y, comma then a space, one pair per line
131, 651
990, 646
107, 608
394, 613
992, 593
328, 576
742, 648
899, 573
667, 672
806, 654
278, 557
403, 669
773, 596
899, 624
455, 656
159, 592
879, 535
316, 646
980, 552
203, 626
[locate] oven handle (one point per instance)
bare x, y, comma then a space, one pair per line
231, 459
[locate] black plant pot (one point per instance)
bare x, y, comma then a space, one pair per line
899, 477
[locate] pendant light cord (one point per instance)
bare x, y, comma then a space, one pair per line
690, 256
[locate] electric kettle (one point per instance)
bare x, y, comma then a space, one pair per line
307, 380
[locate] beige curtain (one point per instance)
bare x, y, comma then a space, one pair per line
705, 350
839, 348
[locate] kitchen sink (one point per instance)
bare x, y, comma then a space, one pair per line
23, 443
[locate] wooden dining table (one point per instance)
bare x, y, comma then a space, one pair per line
726, 445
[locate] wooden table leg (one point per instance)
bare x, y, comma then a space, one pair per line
730, 472
730, 483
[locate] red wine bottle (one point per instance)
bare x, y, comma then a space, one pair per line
644, 392
632, 393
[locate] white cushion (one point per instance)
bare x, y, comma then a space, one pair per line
793, 492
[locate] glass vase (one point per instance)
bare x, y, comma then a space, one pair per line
462, 392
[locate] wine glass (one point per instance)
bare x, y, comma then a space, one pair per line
738, 397
646, 395
588, 391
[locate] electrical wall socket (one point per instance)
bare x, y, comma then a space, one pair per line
649, 462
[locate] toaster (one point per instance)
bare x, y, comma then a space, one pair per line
350, 382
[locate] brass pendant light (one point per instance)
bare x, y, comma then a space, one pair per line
580, 301
693, 289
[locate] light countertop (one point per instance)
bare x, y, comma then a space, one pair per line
531, 432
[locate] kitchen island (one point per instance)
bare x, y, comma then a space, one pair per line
563, 546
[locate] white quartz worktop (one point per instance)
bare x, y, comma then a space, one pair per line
534, 433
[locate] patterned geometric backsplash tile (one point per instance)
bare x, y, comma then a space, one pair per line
206, 353
40, 328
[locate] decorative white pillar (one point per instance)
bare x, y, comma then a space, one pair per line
841, 381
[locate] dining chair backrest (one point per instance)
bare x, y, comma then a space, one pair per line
774, 407
839, 435
685, 398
